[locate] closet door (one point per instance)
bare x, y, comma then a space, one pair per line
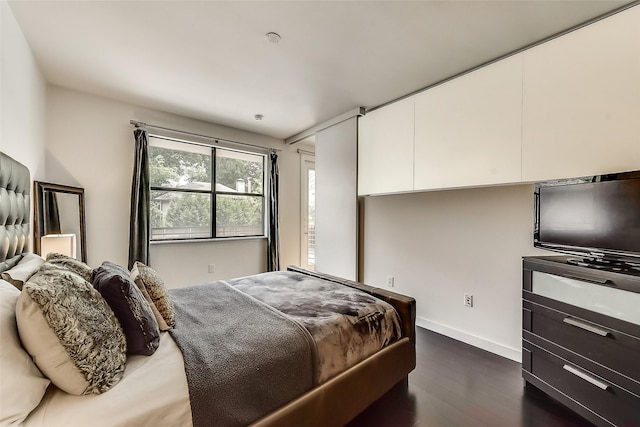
468, 130
385, 149
581, 101
336, 217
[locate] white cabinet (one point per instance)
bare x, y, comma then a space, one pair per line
581, 109
468, 130
385, 149
569, 107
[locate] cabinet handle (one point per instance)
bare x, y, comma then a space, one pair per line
587, 378
586, 326
596, 280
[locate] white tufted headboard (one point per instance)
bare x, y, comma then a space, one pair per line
15, 200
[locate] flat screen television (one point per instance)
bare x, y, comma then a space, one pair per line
594, 217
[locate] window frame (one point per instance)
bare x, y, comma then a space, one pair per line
213, 193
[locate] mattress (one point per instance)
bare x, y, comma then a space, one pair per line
153, 392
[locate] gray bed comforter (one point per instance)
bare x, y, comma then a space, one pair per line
243, 359
252, 344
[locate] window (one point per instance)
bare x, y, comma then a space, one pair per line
202, 192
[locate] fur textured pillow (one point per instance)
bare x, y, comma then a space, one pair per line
71, 264
145, 277
130, 307
70, 331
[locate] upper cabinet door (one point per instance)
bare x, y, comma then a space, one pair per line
581, 101
468, 130
385, 149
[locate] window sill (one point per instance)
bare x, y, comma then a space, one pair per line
220, 239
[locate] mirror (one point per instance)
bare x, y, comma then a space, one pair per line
59, 220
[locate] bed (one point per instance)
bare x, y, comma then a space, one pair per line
284, 348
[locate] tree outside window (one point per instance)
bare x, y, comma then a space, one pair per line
185, 192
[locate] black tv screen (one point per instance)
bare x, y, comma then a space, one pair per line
597, 217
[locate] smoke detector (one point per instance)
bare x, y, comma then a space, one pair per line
273, 38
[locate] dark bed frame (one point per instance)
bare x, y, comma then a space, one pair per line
333, 403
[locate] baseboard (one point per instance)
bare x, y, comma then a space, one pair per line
490, 346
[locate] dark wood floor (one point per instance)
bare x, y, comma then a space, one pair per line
455, 384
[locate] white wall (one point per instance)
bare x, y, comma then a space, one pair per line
23, 89
440, 245
22, 105
336, 248
90, 145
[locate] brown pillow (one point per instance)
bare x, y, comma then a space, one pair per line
130, 307
162, 325
145, 277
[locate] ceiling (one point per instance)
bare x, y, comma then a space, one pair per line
210, 60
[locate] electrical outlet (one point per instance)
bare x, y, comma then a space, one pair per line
468, 300
391, 281
212, 268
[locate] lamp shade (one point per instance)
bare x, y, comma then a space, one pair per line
64, 244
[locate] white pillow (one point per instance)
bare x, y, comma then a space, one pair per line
22, 385
27, 267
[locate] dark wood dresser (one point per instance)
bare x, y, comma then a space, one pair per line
581, 337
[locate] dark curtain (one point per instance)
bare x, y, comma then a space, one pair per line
140, 201
51, 214
273, 251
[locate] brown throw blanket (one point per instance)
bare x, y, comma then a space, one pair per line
346, 324
243, 359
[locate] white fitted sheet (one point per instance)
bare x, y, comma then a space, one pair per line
153, 392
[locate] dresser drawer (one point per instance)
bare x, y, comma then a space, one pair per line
596, 394
603, 295
602, 344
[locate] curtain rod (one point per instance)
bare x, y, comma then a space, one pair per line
216, 140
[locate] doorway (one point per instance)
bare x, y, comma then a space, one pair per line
308, 211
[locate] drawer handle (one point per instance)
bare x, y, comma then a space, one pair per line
596, 280
586, 326
587, 378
